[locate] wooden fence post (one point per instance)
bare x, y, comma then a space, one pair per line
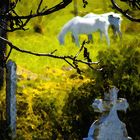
75, 8
11, 99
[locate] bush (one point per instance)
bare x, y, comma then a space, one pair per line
120, 67
39, 115
79, 111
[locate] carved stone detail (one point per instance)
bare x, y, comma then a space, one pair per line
109, 126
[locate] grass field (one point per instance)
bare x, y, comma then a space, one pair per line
48, 78
47, 41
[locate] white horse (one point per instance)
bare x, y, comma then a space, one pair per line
79, 25
114, 21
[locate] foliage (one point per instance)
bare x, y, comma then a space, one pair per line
120, 68
40, 101
55, 117
55, 103
78, 111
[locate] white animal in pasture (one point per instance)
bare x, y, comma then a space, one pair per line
114, 21
79, 25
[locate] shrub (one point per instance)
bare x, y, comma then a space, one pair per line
120, 67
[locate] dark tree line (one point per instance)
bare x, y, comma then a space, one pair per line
11, 21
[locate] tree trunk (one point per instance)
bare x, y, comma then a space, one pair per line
4, 4
75, 8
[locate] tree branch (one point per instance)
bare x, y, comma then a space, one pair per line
124, 12
74, 59
17, 20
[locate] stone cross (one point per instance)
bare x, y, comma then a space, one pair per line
109, 126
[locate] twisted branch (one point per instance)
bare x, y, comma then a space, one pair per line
67, 58
124, 12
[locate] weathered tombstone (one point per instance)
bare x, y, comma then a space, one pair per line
109, 126
11, 99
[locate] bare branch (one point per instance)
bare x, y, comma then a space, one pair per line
39, 6
84, 42
57, 7
69, 63
17, 20
74, 59
6, 58
124, 12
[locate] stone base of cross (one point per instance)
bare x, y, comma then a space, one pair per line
109, 126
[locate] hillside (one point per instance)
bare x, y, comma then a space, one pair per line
44, 84
47, 41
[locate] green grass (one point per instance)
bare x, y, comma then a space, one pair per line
47, 41
49, 79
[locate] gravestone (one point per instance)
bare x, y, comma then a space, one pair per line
11, 98
109, 126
